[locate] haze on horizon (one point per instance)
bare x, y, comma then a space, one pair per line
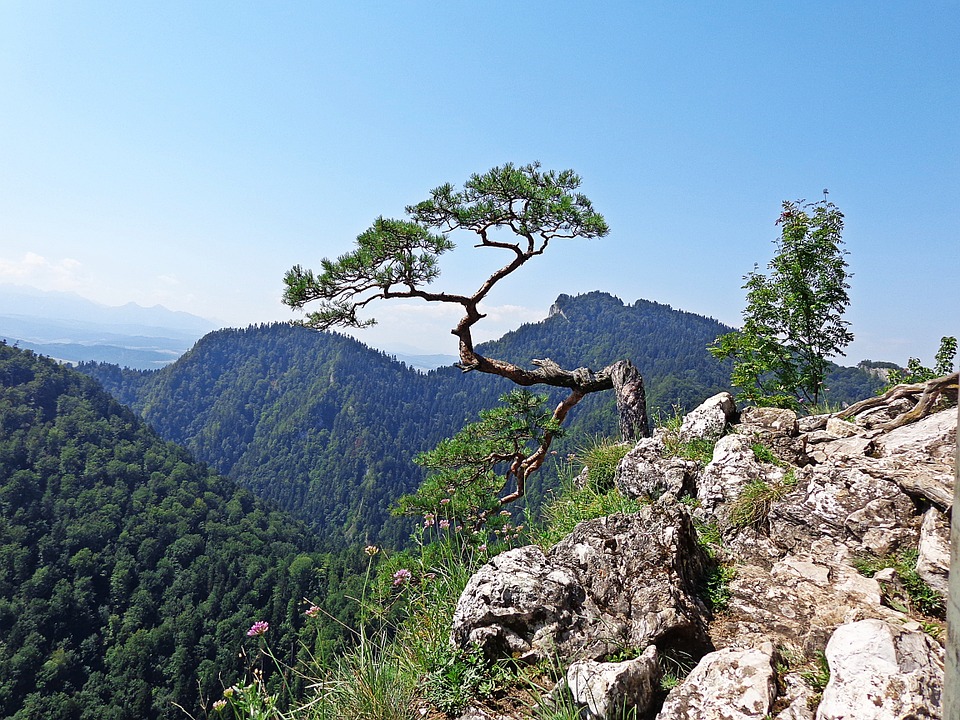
188, 154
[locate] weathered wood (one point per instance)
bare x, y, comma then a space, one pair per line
631, 400
951, 680
930, 392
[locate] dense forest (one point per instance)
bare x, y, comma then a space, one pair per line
328, 428
129, 572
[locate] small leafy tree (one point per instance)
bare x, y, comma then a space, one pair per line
517, 211
917, 373
793, 322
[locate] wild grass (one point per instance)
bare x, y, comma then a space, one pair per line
753, 505
924, 599
571, 504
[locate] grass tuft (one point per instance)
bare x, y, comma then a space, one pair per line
752, 506
924, 598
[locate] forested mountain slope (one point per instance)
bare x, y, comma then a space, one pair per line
128, 571
328, 428
318, 422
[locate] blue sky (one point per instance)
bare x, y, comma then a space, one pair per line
189, 153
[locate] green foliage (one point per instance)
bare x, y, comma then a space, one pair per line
708, 536
601, 459
818, 676
716, 586
755, 500
399, 258
128, 571
675, 665
765, 455
327, 429
463, 480
793, 320
458, 677
917, 373
571, 505
923, 598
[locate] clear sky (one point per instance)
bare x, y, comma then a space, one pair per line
189, 153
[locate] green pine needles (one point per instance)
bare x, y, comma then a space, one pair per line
468, 470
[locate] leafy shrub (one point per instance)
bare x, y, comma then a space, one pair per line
458, 677
716, 586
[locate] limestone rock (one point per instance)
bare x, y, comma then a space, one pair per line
842, 428
846, 506
709, 419
933, 565
728, 684
778, 429
809, 423
774, 420
840, 449
516, 602
880, 672
934, 437
640, 574
605, 690
799, 600
732, 467
796, 699
618, 581
645, 473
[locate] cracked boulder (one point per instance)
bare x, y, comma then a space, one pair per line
708, 420
614, 582
645, 473
606, 690
880, 671
728, 684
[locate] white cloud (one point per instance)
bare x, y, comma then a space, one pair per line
66, 274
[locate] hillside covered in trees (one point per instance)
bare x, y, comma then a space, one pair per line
328, 428
129, 572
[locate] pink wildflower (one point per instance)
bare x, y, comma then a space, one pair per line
401, 577
260, 627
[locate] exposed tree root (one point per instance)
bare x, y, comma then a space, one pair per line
930, 393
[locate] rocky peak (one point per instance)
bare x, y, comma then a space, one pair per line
835, 545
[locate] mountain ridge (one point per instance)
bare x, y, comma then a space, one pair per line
328, 428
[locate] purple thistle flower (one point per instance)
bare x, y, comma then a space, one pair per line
260, 627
